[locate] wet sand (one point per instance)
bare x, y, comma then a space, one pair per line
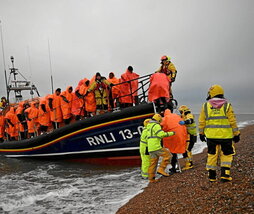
191, 192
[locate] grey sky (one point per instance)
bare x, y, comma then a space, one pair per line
210, 42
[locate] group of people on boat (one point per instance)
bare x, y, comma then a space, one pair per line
167, 134
27, 119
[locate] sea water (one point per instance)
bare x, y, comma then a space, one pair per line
32, 186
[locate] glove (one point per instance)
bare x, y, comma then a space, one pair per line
236, 138
202, 137
171, 133
181, 122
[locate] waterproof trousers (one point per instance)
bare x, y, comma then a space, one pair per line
154, 158
189, 145
220, 150
145, 165
145, 159
188, 154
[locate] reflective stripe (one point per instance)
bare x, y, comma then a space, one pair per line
158, 132
191, 127
211, 167
201, 130
217, 117
235, 129
143, 142
226, 107
154, 137
144, 173
218, 126
205, 110
226, 163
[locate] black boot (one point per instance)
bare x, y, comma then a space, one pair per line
225, 174
173, 164
212, 175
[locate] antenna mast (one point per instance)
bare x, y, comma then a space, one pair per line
19, 85
5, 75
50, 66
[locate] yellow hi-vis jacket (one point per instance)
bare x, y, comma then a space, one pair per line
191, 128
169, 70
154, 135
143, 142
218, 123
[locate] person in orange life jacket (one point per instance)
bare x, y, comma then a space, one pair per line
12, 122
66, 103
169, 69
100, 87
89, 102
114, 92
177, 143
159, 90
128, 90
31, 114
54, 103
77, 102
20, 112
2, 125
218, 126
44, 115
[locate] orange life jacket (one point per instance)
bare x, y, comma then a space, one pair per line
115, 89
89, 100
12, 117
66, 107
44, 117
128, 88
159, 86
177, 142
56, 114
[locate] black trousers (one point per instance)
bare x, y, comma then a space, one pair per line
226, 146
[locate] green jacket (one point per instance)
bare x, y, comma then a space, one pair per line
143, 142
154, 136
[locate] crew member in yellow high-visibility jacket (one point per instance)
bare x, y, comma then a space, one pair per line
143, 150
189, 122
217, 126
155, 149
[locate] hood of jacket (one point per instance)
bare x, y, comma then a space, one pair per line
217, 102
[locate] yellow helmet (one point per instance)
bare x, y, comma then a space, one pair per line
146, 122
157, 117
183, 108
215, 90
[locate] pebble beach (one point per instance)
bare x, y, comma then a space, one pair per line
191, 192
